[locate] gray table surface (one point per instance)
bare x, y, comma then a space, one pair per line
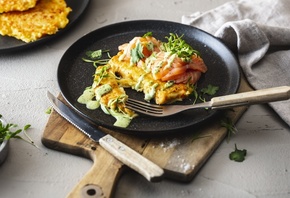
31, 173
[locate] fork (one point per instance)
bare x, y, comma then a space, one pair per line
221, 102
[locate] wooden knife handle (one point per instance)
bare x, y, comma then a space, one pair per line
252, 97
132, 159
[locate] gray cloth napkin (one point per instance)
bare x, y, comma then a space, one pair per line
258, 31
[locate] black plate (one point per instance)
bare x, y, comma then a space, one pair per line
74, 75
9, 44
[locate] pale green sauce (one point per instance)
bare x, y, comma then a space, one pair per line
105, 110
138, 84
102, 90
151, 93
92, 101
149, 61
168, 84
170, 61
87, 96
150, 46
156, 69
93, 104
121, 119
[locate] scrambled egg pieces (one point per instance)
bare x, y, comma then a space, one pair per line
45, 18
16, 5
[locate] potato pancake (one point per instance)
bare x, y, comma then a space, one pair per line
16, 5
164, 72
46, 18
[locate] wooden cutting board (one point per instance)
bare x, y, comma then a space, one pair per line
181, 155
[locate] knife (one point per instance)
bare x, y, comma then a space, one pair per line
122, 152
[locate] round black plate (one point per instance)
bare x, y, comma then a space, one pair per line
9, 44
74, 75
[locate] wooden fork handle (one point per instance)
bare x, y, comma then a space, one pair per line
252, 97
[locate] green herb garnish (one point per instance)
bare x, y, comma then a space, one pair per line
95, 54
10, 131
168, 84
176, 45
48, 110
95, 57
238, 155
102, 73
148, 34
200, 137
210, 90
137, 53
230, 126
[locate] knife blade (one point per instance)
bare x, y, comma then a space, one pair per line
122, 152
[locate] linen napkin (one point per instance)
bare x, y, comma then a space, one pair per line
258, 31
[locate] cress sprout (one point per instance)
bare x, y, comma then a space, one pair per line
9, 131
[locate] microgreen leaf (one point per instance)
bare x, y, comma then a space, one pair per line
200, 137
137, 53
94, 54
10, 131
95, 57
27, 127
195, 95
176, 45
230, 126
48, 110
210, 90
97, 54
238, 155
148, 34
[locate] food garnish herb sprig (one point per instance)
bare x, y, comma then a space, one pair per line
210, 90
197, 137
137, 53
176, 45
230, 126
48, 110
95, 57
238, 155
103, 73
10, 131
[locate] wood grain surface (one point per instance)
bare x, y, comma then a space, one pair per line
180, 155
